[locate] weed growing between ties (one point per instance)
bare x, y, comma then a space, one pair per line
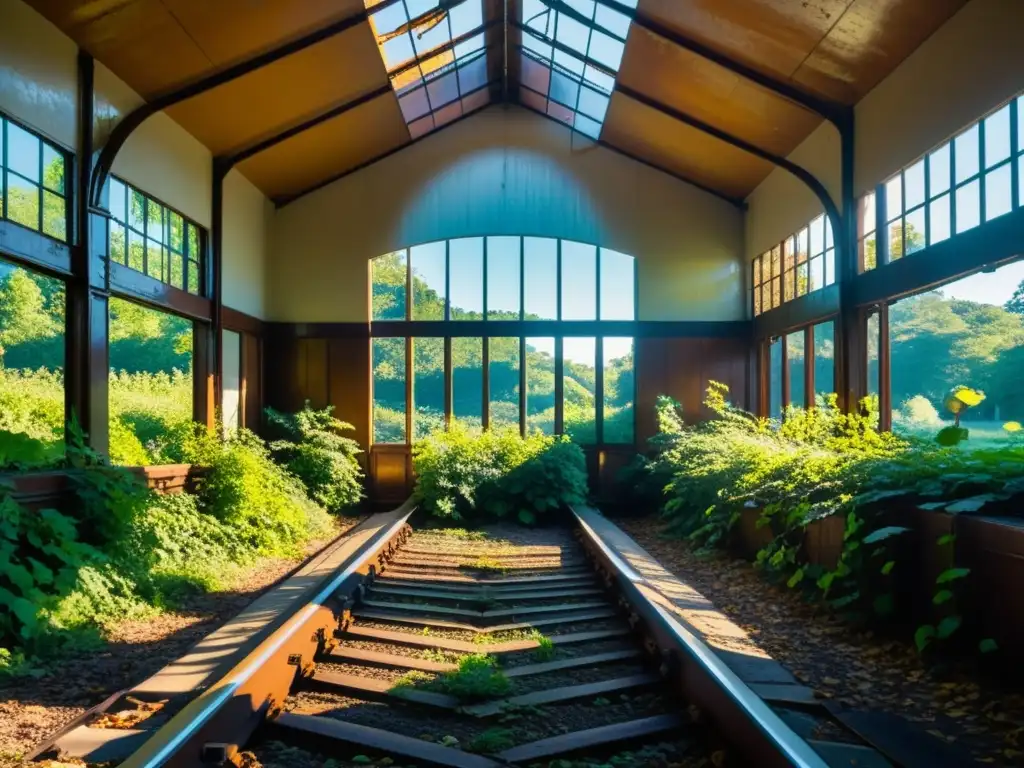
477, 678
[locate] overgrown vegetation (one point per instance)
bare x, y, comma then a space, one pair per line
121, 551
312, 448
476, 679
498, 474
818, 463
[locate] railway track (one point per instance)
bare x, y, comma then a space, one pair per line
505, 646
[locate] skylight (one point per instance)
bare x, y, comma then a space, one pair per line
436, 57
571, 53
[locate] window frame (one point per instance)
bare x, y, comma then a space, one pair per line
521, 328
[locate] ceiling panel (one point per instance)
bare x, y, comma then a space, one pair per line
869, 42
693, 85
328, 149
285, 93
255, 25
676, 147
773, 35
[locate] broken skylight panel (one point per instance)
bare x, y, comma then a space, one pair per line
436, 58
571, 54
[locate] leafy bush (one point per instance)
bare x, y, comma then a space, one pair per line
497, 474
243, 487
313, 450
817, 463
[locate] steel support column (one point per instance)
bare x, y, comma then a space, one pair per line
850, 328
87, 358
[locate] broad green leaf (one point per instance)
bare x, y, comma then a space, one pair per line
972, 504
988, 645
950, 436
19, 576
526, 517
948, 538
796, 578
884, 533
887, 568
942, 596
924, 636
948, 626
952, 574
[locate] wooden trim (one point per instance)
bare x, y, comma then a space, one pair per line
50, 488
884, 370
809, 366
814, 307
34, 250
239, 322
129, 284
697, 329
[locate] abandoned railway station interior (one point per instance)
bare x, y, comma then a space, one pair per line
723, 299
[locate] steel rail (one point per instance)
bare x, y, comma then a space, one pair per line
784, 741
187, 724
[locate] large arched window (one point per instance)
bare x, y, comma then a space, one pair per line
526, 332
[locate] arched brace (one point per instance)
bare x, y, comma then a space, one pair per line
123, 130
835, 217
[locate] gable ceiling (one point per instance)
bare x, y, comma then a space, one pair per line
618, 71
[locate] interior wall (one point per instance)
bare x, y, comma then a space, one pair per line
38, 73
247, 218
507, 171
970, 65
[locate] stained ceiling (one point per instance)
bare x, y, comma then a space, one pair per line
620, 72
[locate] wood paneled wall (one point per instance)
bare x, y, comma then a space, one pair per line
337, 371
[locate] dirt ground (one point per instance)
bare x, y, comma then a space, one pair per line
858, 669
33, 707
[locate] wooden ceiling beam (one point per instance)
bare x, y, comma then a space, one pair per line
134, 119
835, 112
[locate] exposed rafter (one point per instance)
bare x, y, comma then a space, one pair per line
136, 117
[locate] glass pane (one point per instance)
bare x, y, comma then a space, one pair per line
428, 387
503, 279
503, 370
795, 359
32, 363
893, 198
914, 231
817, 274
618, 289
137, 212
154, 260
177, 227
867, 221
389, 274
802, 245
757, 271
619, 386
136, 251
988, 354
968, 206
466, 264
788, 285
231, 389
53, 169
579, 281
913, 182
775, 379
869, 252
177, 270
938, 171
776, 292
579, 389
154, 221
967, 154
802, 279
23, 152
54, 215
540, 385
817, 229
776, 259
117, 242
118, 195
22, 202
998, 192
194, 275
389, 390
939, 227
540, 261
895, 230
830, 266
193, 242
428, 281
468, 383
872, 343
150, 397
824, 359
997, 137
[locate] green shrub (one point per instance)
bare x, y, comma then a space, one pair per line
244, 488
313, 450
497, 474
